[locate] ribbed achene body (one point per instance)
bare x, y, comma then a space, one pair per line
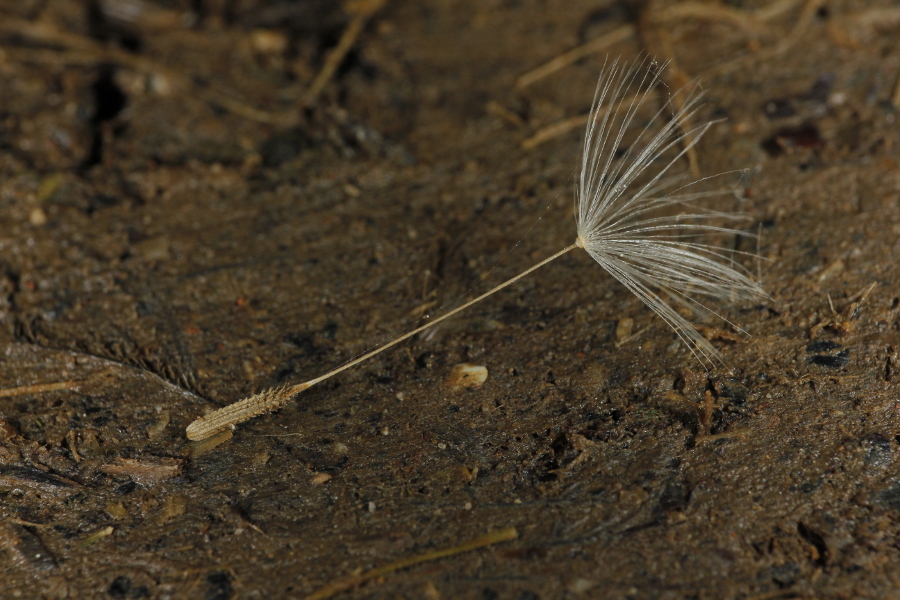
239, 412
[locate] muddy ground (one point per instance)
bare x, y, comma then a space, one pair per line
192, 213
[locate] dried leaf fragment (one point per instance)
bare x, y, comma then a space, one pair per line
145, 472
17, 476
174, 506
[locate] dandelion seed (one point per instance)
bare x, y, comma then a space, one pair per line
627, 218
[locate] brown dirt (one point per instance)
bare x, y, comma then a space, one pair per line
178, 232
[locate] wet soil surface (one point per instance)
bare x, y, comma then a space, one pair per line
190, 214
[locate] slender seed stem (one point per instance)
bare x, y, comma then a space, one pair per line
272, 399
459, 309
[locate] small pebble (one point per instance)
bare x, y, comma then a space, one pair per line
320, 478
624, 328
268, 41
38, 217
466, 376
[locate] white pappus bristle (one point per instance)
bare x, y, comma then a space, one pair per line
625, 205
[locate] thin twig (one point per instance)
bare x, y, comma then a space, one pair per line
363, 12
744, 20
775, 9
749, 21
887, 17
40, 388
554, 130
619, 34
335, 587
802, 22
810, 7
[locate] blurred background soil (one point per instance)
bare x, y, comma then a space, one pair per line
205, 198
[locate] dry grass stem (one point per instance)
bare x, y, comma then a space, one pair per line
362, 11
744, 20
886, 17
554, 130
801, 23
806, 16
751, 22
341, 585
39, 388
775, 9
619, 34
